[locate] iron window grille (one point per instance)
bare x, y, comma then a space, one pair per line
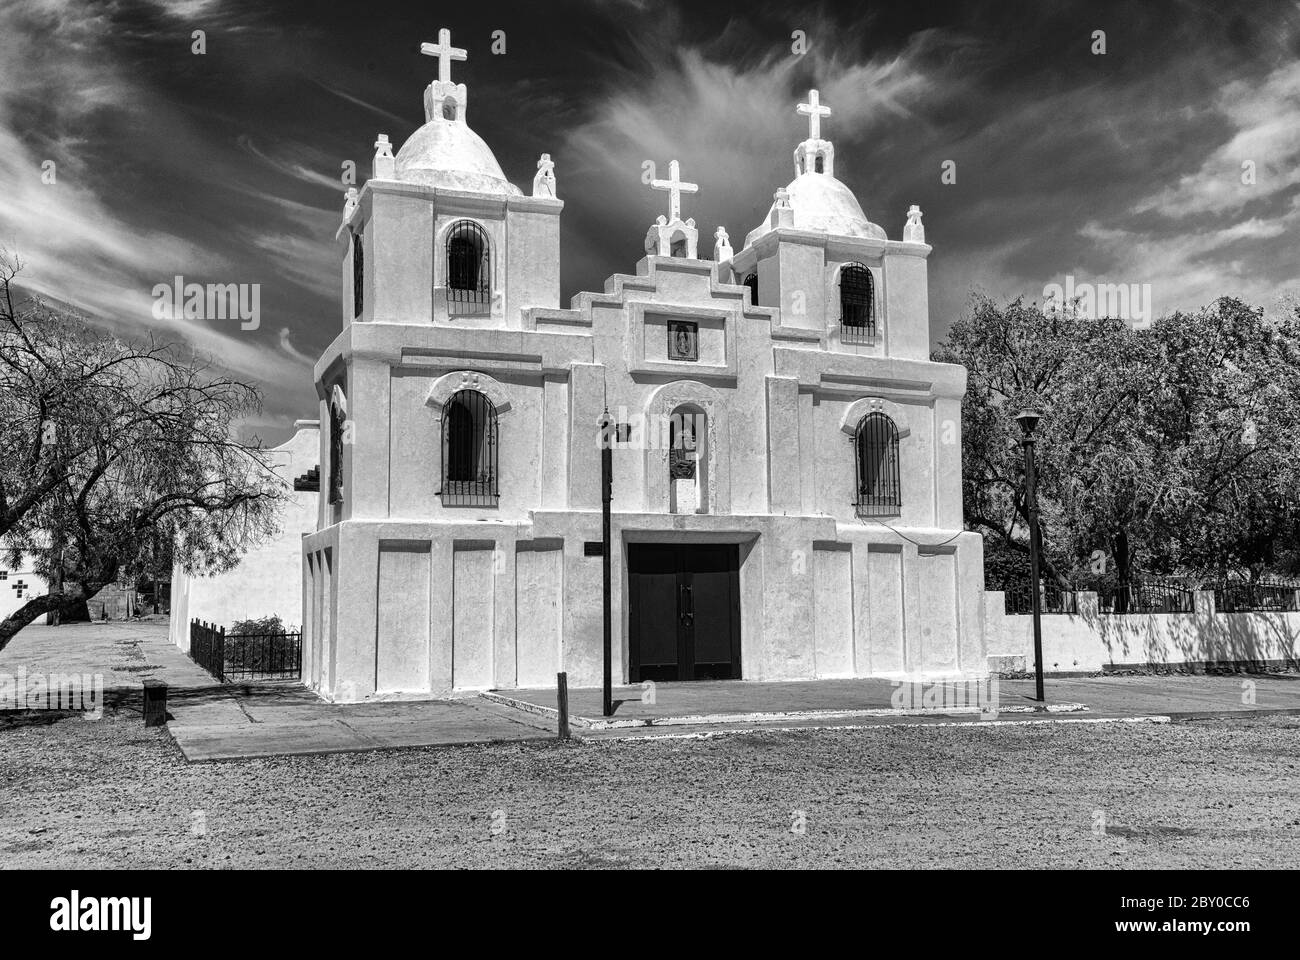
358, 275
469, 270
879, 491
857, 304
469, 451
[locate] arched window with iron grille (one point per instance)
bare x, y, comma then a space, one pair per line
469, 269
358, 276
879, 491
751, 281
857, 304
469, 450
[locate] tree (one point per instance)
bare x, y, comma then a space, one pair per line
1178, 442
112, 452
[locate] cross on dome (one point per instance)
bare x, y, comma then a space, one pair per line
675, 187
445, 53
814, 110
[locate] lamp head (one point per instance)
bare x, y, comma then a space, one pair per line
1028, 420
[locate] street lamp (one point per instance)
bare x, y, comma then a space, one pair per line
1028, 420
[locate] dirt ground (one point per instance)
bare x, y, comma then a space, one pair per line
110, 793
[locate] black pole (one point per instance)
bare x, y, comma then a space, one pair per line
1031, 506
606, 495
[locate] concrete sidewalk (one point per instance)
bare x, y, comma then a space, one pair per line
215, 721
691, 708
210, 720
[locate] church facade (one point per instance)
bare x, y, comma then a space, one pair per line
786, 496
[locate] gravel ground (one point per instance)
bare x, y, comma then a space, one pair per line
110, 793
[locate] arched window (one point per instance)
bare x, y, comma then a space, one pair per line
469, 450
688, 460
819, 164
449, 109
469, 260
857, 304
678, 247
876, 445
751, 281
358, 276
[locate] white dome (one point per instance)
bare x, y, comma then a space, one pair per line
824, 205
445, 153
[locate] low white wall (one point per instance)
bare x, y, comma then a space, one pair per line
268, 580
1093, 641
19, 585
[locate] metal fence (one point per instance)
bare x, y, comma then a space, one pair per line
263, 656
1148, 595
1051, 599
1262, 596
208, 647
246, 656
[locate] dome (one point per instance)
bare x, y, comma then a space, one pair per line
824, 205
447, 153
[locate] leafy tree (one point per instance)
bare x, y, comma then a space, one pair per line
1178, 442
113, 453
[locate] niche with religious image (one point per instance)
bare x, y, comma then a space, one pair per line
683, 340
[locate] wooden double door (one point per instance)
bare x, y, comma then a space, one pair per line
684, 611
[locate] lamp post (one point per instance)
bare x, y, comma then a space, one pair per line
606, 495
1028, 420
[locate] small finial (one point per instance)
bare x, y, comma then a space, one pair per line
914, 230
385, 167
544, 181
722, 251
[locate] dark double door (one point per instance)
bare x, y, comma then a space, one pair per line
684, 611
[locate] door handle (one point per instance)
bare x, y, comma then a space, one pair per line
687, 603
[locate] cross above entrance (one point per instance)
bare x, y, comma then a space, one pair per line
814, 110
675, 187
445, 53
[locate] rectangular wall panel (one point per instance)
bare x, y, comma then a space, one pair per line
884, 634
936, 647
473, 589
833, 611
539, 591
402, 641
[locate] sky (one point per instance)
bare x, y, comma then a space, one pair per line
1171, 159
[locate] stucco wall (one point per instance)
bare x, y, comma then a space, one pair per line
268, 580
1093, 642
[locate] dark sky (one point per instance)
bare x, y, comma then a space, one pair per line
1124, 167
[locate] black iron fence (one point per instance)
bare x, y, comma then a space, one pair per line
246, 656
1262, 596
1051, 599
208, 647
1147, 595
1160, 595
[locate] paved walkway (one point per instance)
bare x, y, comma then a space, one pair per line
683, 709
213, 721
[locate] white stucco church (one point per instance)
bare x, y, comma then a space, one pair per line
787, 461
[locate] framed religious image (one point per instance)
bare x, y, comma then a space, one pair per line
683, 340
